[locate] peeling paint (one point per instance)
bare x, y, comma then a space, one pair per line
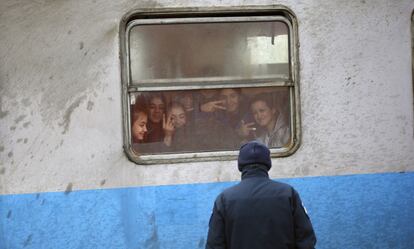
68, 113
68, 188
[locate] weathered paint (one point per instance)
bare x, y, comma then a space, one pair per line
61, 94
358, 211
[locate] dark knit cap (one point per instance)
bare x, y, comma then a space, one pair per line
254, 153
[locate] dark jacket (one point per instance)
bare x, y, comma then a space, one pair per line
259, 213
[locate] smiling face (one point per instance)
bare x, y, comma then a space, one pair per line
187, 101
178, 116
156, 109
139, 127
231, 99
263, 114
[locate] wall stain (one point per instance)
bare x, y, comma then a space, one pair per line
2, 171
9, 214
68, 113
1, 148
153, 241
25, 140
80, 45
28, 240
12, 128
19, 118
26, 102
103, 182
2, 113
37, 196
10, 154
26, 124
19, 140
89, 107
201, 243
68, 188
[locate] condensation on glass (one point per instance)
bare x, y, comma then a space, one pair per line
245, 50
201, 87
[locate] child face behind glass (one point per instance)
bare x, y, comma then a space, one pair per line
156, 109
139, 127
178, 116
263, 114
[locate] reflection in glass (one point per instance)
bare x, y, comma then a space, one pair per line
192, 50
209, 120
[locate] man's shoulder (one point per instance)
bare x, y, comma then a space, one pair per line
271, 185
281, 185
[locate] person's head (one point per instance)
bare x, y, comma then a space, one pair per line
208, 93
264, 113
156, 108
178, 115
186, 99
254, 153
139, 124
231, 97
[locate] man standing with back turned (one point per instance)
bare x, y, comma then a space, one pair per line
259, 213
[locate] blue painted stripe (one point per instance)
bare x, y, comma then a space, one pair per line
357, 211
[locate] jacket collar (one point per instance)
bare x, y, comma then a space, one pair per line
254, 170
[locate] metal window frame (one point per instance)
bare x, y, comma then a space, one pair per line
208, 15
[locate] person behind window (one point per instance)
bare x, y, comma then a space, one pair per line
178, 130
156, 113
274, 128
209, 101
234, 113
138, 124
186, 99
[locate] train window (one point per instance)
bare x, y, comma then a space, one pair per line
198, 84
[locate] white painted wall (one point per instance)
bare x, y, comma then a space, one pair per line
60, 106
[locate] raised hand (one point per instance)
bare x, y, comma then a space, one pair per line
168, 127
246, 128
213, 106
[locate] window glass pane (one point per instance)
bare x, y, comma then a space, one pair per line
247, 50
209, 120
